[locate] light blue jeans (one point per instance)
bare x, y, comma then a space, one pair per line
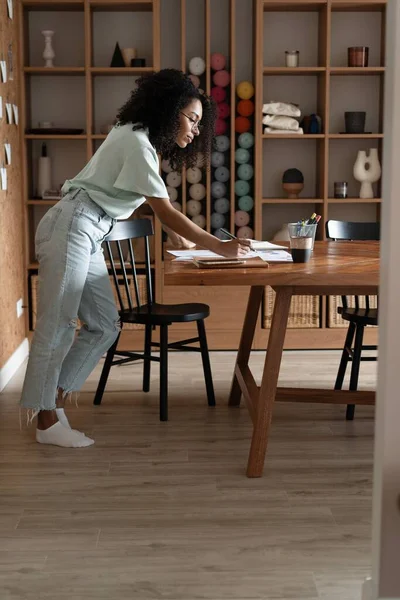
73, 282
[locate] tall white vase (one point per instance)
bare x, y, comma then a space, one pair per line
367, 170
48, 52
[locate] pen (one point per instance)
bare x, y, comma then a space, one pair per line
228, 233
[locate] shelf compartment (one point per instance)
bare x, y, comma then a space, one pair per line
293, 136
355, 200
342, 157
292, 201
293, 70
363, 93
357, 71
127, 71
54, 70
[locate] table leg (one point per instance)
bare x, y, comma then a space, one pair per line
269, 383
246, 339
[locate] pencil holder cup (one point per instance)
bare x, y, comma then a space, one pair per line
302, 239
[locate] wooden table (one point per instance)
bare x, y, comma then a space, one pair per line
336, 268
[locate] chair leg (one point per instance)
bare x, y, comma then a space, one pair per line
206, 362
355, 368
147, 362
345, 356
163, 372
105, 372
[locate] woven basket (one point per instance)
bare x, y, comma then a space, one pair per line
334, 319
129, 326
304, 311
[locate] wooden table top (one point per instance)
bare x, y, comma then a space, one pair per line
344, 266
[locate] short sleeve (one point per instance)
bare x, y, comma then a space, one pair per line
140, 174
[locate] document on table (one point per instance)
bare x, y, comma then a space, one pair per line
182, 255
275, 256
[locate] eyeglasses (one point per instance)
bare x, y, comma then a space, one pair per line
195, 124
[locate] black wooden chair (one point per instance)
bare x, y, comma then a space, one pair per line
357, 316
150, 314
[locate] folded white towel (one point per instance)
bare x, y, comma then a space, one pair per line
281, 108
279, 122
298, 131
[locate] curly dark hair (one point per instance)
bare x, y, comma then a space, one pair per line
156, 103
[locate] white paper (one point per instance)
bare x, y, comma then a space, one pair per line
3, 69
9, 113
182, 255
262, 245
3, 176
7, 148
10, 8
1, 107
15, 110
275, 256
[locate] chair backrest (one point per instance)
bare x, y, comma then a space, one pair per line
126, 231
347, 230
353, 231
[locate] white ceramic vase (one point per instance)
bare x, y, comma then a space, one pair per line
367, 170
48, 52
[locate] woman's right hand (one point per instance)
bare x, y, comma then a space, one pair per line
234, 248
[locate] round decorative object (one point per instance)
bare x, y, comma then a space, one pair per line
172, 193
218, 189
200, 160
223, 110
242, 156
245, 108
246, 140
193, 208
174, 179
199, 220
245, 172
197, 191
177, 206
219, 234
193, 175
242, 218
220, 127
165, 166
197, 66
222, 78
246, 203
195, 80
245, 232
217, 159
222, 174
222, 143
242, 188
245, 90
222, 205
217, 61
217, 220
218, 93
242, 124
293, 182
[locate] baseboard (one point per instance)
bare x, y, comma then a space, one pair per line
13, 363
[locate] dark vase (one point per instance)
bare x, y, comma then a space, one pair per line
355, 121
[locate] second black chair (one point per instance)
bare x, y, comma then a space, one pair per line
150, 314
357, 316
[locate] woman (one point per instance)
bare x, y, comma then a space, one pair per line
165, 114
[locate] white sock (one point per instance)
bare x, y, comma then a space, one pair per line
58, 435
62, 417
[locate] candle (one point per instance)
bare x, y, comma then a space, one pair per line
292, 58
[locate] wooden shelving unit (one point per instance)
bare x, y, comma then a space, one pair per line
85, 67
322, 74
201, 28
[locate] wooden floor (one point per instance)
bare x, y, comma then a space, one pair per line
160, 510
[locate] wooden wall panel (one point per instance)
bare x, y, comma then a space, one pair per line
12, 265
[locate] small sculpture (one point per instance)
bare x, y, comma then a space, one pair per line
367, 170
48, 52
293, 182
